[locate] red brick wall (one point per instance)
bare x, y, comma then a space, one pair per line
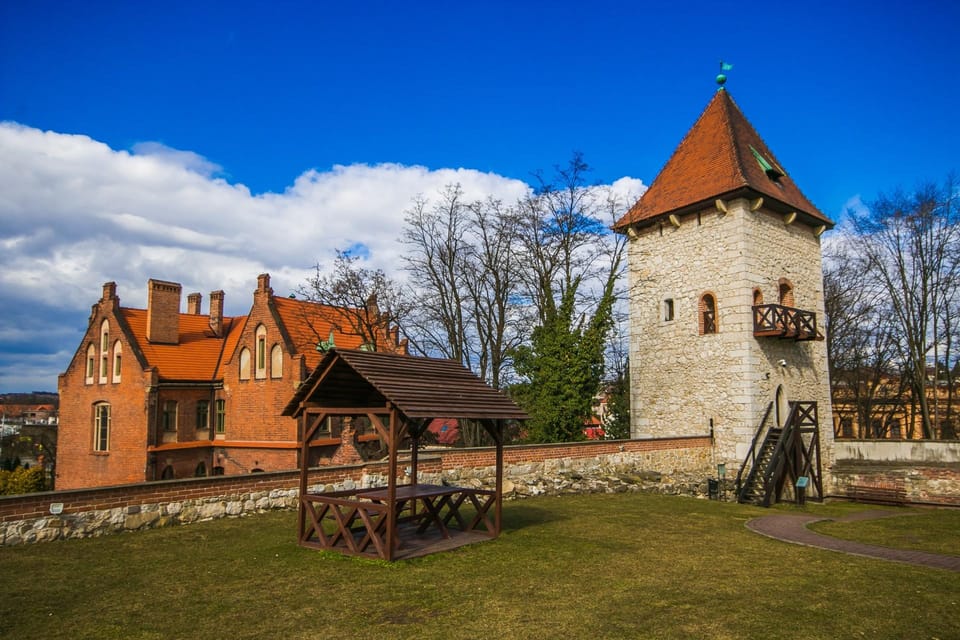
254, 406
78, 465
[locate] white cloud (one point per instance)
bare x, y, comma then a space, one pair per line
75, 213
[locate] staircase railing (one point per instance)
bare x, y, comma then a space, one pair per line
750, 461
793, 458
775, 472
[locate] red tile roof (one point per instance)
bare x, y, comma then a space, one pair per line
308, 323
200, 355
719, 157
197, 355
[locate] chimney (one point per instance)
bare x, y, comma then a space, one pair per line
109, 291
193, 304
263, 283
163, 311
216, 313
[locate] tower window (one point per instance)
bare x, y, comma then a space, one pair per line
708, 314
786, 293
668, 309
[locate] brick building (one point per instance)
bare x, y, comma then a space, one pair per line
155, 393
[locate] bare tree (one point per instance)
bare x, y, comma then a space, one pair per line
438, 249
910, 243
371, 305
861, 344
461, 260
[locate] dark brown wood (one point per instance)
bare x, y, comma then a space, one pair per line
405, 520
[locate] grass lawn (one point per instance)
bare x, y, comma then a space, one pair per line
594, 566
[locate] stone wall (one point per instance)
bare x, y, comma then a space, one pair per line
683, 382
678, 466
927, 471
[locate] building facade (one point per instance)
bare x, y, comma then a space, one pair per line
726, 290
156, 394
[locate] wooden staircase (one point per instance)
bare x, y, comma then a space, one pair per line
780, 455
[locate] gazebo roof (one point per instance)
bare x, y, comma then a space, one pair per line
417, 387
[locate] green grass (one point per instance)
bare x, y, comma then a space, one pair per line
595, 566
934, 531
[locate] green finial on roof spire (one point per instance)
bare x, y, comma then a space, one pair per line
721, 78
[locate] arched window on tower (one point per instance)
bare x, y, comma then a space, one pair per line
757, 301
786, 293
708, 314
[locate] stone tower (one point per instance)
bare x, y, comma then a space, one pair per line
726, 290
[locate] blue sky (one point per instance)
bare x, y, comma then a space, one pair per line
206, 142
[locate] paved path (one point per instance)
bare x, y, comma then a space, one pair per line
790, 528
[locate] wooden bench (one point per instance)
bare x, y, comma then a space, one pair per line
878, 493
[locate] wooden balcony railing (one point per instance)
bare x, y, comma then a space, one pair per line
775, 320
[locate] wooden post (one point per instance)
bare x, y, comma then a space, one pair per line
392, 541
304, 460
498, 438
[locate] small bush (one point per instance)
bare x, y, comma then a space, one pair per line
20, 481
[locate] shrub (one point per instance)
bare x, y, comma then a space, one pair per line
20, 481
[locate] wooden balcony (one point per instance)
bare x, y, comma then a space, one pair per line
778, 321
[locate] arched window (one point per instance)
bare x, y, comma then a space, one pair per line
91, 364
786, 293
757, 301
117, 353
708, 314
261, 370
201, 470
104, 350
167, 473
244, 364
101, 427
276, 362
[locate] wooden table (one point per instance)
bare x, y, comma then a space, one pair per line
434, 498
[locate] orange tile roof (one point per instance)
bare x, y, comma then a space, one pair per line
307, 323
201, 356
718, 157
197, 355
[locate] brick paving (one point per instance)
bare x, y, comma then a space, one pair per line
793, 529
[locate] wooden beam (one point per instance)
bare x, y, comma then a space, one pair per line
756, 204
392, 485
721, 206
381, 430
312, 429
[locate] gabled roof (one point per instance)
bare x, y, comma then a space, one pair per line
417, 387
197, 355
308, 323
721, 156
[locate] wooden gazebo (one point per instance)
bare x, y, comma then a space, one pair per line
397, 396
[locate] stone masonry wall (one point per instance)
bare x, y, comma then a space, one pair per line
685, 383
673, 466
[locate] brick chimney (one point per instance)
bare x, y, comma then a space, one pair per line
109, 291
163, 311
216, 313
263, 283
193, 304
